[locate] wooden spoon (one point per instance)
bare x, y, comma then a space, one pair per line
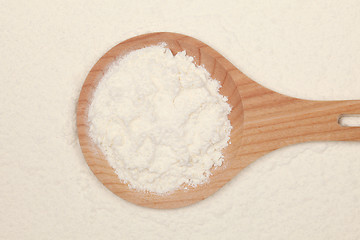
262, 120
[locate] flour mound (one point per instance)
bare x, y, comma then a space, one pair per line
160, 120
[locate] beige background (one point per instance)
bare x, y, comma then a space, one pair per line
307, 49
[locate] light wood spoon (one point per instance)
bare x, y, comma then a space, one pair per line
262, 120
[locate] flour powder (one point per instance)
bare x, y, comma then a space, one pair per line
160, 120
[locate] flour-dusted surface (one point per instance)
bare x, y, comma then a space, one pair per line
305, 49
160, 120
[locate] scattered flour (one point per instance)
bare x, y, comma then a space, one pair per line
306, 49
160, 120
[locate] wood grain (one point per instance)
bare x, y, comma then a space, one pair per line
262, 120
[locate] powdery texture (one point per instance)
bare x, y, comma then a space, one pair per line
160, 120
307, 49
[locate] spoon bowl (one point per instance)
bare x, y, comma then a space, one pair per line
262, 120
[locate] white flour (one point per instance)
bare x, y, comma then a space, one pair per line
306, 49
160, 120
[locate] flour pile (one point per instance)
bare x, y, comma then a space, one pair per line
160, 120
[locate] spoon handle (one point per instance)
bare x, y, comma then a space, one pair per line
272, 120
